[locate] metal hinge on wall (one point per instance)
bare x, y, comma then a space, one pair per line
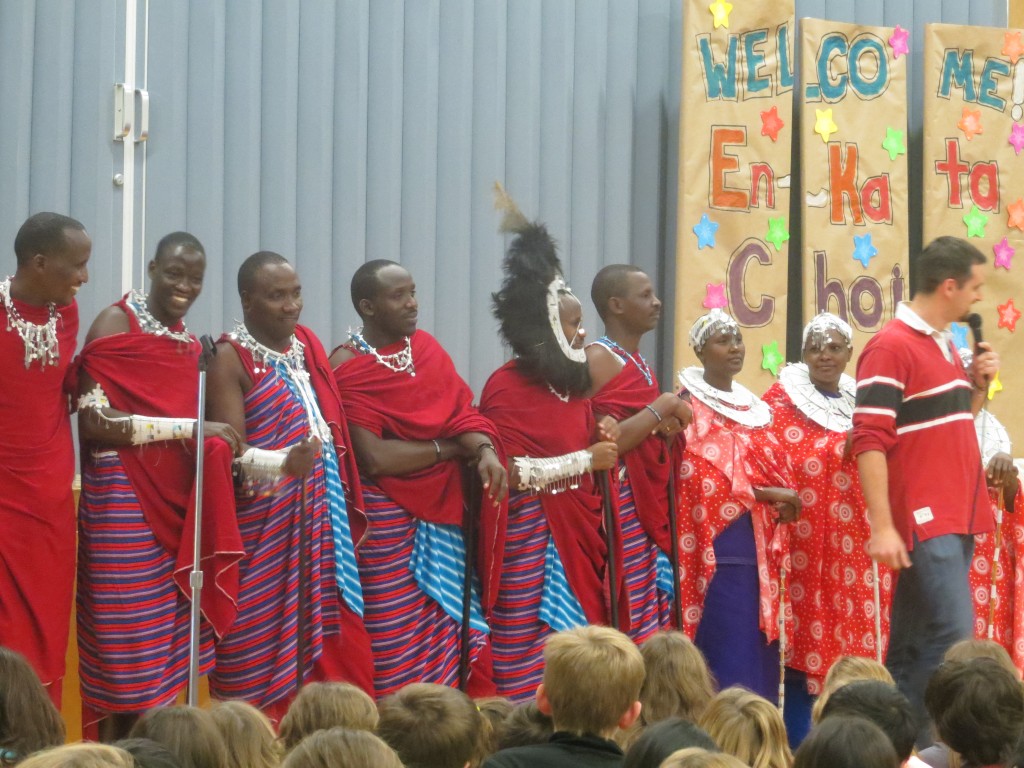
127, 104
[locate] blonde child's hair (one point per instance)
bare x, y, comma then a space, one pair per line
678, 681
974, 648
847, 669
322, 705
248, 735
697, 757
81, 756
749, 727
592, 677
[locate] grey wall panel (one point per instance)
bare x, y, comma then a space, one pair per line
337, 132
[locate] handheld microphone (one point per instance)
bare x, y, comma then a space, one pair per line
974, 320
210, 349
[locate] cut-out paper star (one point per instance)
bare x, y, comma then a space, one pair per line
959, 331
970, 123
778, 232
994, 386
893, 143
824, 124
771, 358
720, 11
1008, 316
771, 123
898, 42
705, 231
1012, 46
1017, 137
715, 296
1015, 214
1004, 253
863, 249
975, 221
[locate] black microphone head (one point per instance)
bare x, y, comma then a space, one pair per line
210, 349
974, 320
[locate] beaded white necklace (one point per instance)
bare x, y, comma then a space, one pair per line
138, 302
263, 355
741, 405
399, 362
294, 361
40, 340
833, 413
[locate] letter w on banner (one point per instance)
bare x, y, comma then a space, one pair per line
853, 168
734, 175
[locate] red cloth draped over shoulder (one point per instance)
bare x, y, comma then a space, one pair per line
152, 375
534, 422
650, 463
435, 403
37, 511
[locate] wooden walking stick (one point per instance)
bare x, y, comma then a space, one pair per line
609, 536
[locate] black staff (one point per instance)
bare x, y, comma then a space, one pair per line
471, 484
609, 537
673, 525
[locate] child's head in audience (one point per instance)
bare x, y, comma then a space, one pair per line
319, 706
846, 742
978, 709
28, 720
698, 757
656, 742
188, 733
592, 680
525, 725
80, 756
975, 648
678, 682
748, 727
880, 703
433, 726
148, 754
845, 670
495, 710
248, 735
342, 748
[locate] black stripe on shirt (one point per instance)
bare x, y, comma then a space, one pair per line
879, 394
956, 400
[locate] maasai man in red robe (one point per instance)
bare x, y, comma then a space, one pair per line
38, 335
138, 382
413, 427
997, 581
299, 505
626, 388
554, 570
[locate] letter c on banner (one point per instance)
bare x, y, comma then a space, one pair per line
746, 314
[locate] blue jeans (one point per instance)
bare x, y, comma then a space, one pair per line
931, 610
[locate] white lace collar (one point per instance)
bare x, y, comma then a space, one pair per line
833, 413
741, 405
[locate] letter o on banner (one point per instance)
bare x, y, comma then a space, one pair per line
868, 80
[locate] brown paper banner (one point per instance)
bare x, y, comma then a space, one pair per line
734, 175
853, 172
974, 182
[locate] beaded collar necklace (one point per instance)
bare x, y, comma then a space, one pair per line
265, 356
741, 405
637, 360
833, 413
40, 340
138, 302
399, 362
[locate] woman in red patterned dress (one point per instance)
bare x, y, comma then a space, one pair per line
831, 586
734, 490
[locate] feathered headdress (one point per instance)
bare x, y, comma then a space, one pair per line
527, 306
